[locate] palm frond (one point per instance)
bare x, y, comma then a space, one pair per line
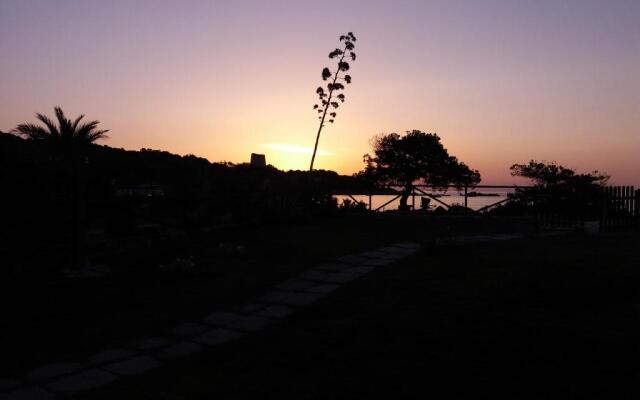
74, 126
31, 131
66, 129
98, 135
53, 129
86, 133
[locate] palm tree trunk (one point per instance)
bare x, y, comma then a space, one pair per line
78, 212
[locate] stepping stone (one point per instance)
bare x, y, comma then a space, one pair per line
110, 355
276, 311
189, 329
180, 350
378, 262
133, 366
249, 323
411, 246
291, 298
152, 343
325, 288
8, 384
333, 267
251, 308
221, 318
363, 269
218, 336
29, 393
90, 379
53, 370
331, 277
372, 254
316, 275
343, 277
294, 285
352, 259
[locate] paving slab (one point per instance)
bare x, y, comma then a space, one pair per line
219, 318
344, 277
316, 275
133, 366
333, 267
291, 298
276, 311
373, 254
351, 259
391, 251
334, 277
189, 329
8, 384
85, 380
378, 262
180, 350
29, 393
152, 343
249, 323
361, 269
218, 336
412, 246
110, 355
325, 288
252, 307
53, 370
295, 285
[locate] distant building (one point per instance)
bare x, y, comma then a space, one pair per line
258, 160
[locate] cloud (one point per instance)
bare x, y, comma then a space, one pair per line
292, 148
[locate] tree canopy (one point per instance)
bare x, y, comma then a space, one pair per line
558, 188
552, 175
65, 131
416, 157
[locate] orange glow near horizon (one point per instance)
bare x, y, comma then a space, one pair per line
501, 83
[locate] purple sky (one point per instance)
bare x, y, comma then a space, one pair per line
500, 81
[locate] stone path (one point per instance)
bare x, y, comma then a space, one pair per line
191, 337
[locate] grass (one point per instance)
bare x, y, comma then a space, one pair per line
528, 319
69, 320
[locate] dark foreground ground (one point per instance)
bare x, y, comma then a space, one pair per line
528, 319
45, 319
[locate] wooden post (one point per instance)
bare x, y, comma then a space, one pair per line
465, 199
413, 198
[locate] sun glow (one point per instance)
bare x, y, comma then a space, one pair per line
290, 156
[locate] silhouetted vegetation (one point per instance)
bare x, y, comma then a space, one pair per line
68, 141
416, 157
139, 199
335, 85
556, 188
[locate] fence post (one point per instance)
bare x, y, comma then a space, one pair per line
413, 198
465, 199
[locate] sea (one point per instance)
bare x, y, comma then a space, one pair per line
450, 197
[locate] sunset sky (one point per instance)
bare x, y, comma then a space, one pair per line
500, 81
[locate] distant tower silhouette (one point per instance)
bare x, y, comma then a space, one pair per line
258, 160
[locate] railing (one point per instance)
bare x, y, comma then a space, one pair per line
613, 207
423, 191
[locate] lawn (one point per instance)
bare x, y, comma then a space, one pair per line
527, 319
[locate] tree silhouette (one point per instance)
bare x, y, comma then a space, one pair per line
558, 188
326, 98
415, 157
71, 138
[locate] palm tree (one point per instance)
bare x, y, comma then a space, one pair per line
66, 132
72, 138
